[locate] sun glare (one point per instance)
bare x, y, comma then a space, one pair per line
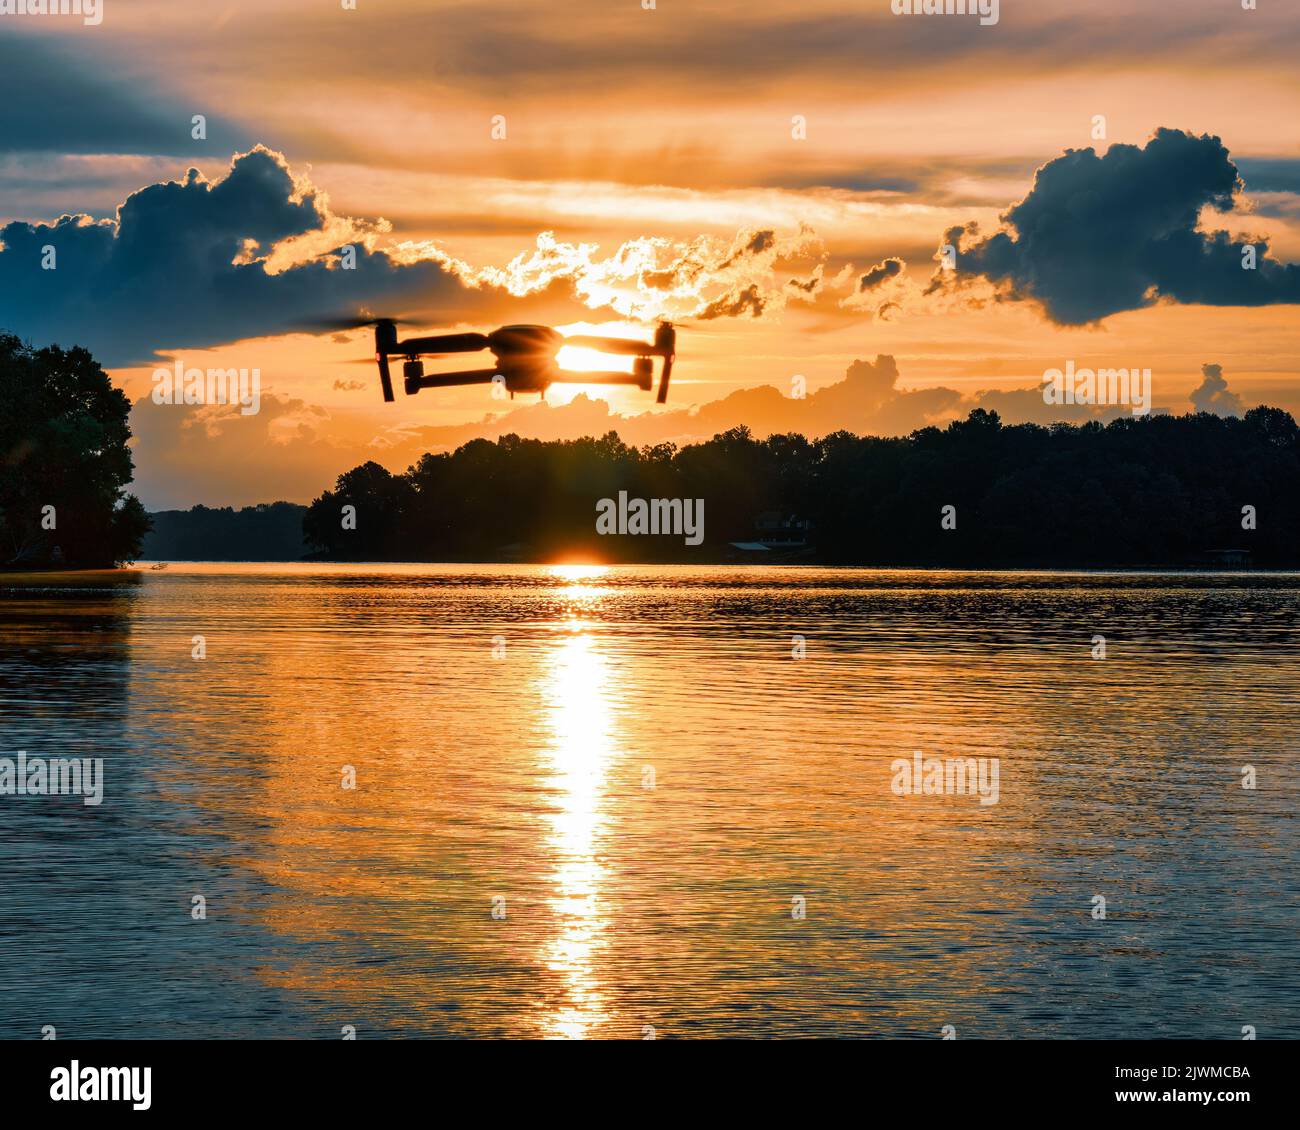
577, 571
580, 359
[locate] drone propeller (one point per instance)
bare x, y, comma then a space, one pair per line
439, 343
710, 326
346, 322
340, 322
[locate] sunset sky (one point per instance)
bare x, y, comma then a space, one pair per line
654, 164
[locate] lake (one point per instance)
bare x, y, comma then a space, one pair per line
571, 801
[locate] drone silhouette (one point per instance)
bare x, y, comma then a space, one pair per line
525, 358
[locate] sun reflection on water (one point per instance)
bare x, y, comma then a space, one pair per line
582, 747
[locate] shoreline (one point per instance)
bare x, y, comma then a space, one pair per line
140, 568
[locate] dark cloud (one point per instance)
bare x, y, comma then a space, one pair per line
880, 273
1212, 394
185, 264
1098, 235
748, 300
60, 98
843, 180
1270, 174
812, 285
755, 244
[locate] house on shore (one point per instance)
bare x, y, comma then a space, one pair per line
777, 534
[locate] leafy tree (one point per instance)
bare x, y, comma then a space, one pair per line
373, 529
64, 461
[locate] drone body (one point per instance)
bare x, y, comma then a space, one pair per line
525, 358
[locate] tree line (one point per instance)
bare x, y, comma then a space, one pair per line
269, 531
1156, 490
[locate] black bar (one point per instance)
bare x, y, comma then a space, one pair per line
954, 1078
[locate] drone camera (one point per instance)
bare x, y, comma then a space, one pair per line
644, 370
412, 370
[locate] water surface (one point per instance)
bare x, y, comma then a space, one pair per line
635, 768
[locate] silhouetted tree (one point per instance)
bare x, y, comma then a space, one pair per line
364, 517
64, 461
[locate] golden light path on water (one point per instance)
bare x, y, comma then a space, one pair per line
577, 686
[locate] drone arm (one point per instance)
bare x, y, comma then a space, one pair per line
441, 343
574, 376
666, 345
385, 379
447, 380
665, 373
385, 343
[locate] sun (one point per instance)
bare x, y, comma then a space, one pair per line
577, 570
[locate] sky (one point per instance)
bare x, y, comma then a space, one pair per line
778, 178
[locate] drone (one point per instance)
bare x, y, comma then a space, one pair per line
525, 358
